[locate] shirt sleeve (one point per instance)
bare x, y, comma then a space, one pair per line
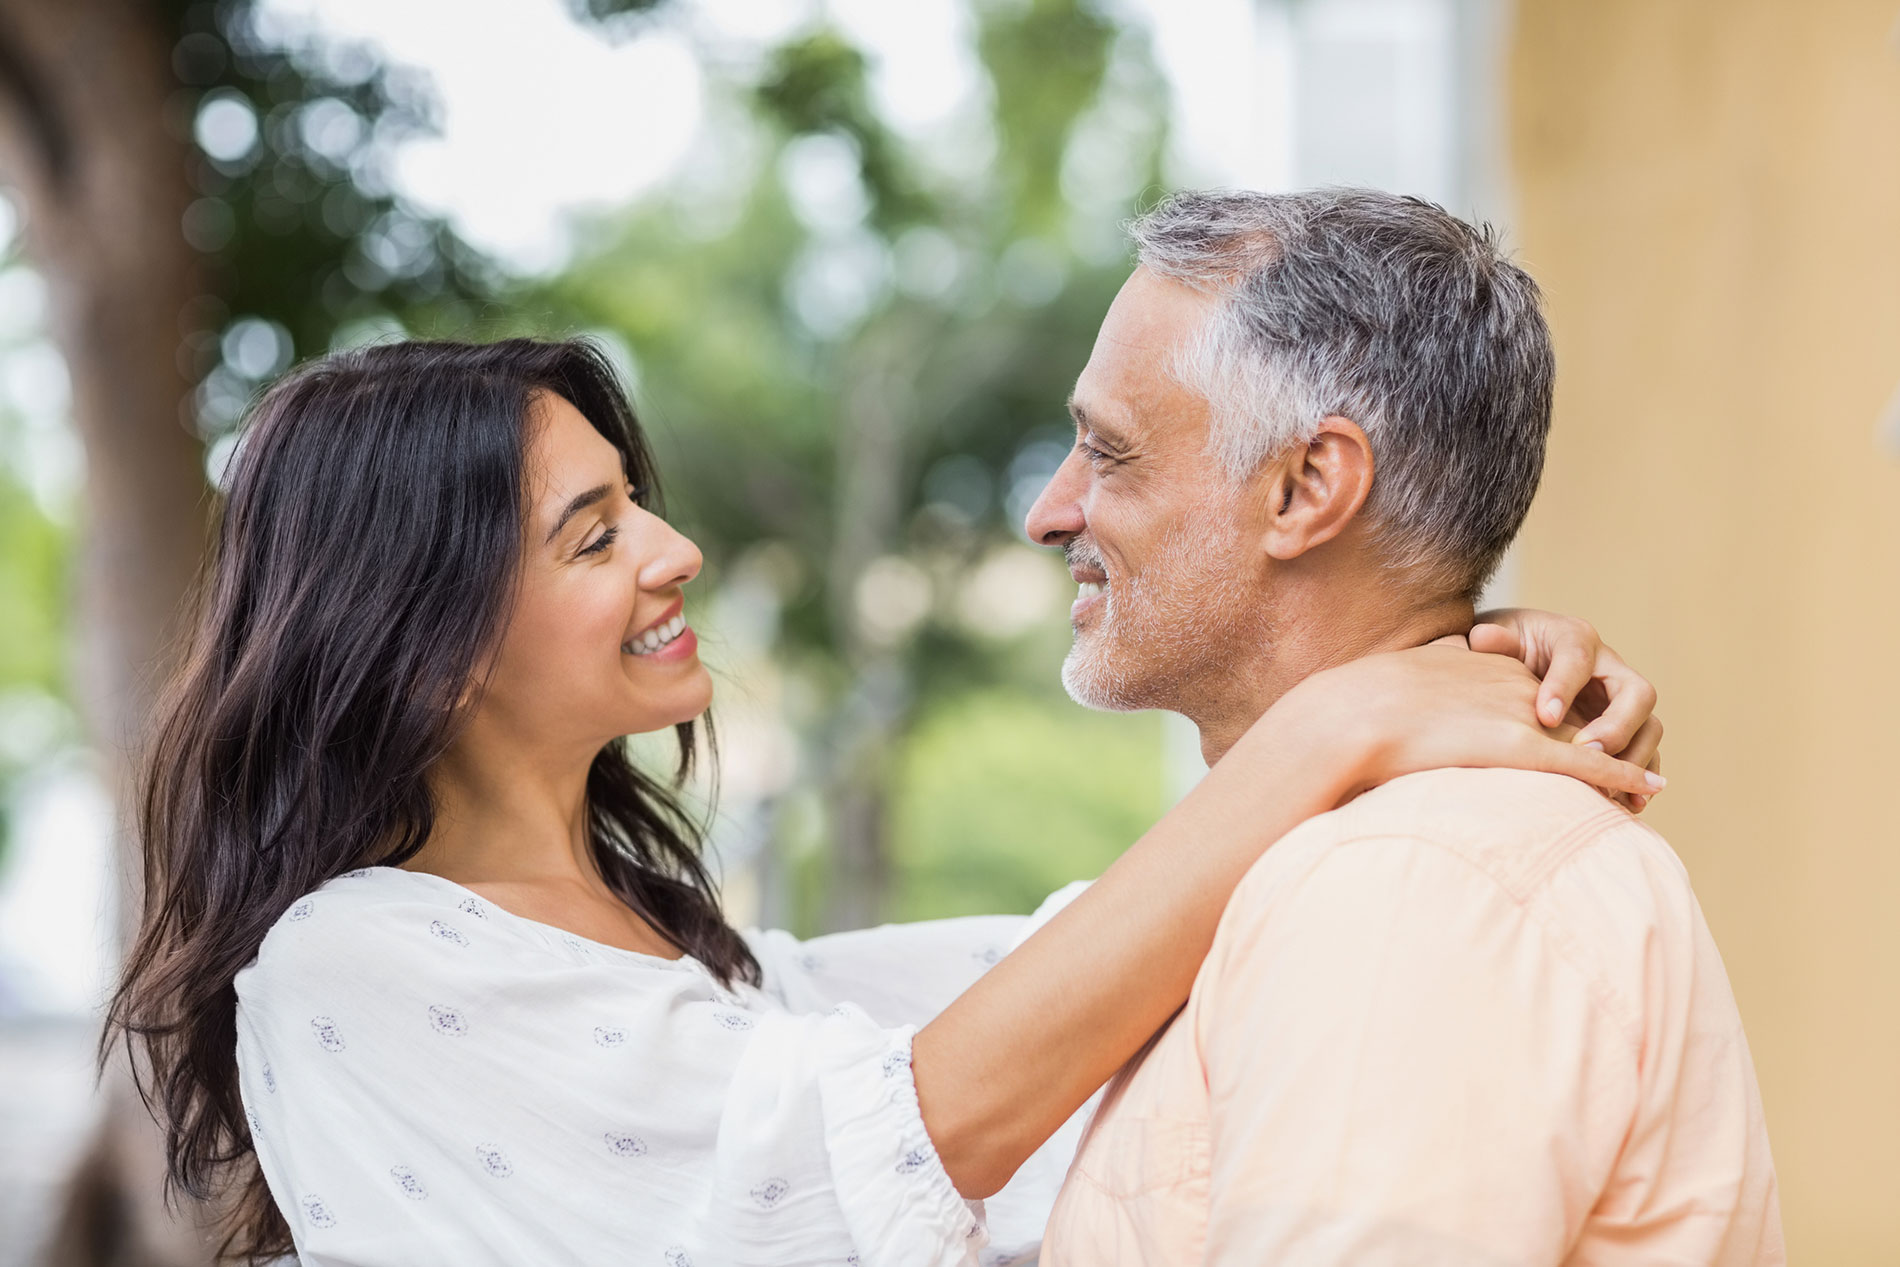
1404, 1067
900, 974
907, 974
426, 1086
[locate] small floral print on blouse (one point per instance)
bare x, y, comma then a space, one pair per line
622, 1145
609, 1035
494, 1161
328, 1037
472, 906
734, 1021
989, 955
895, 1061
407, 1182
270, 1080
317, 1212
446, 933
677, 1257
301, 910
771, 1192
914, 1160
447, 1020
357, 874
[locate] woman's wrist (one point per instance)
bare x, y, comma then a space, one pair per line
1321, 736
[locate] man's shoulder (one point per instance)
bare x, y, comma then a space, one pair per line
1500, 856
1518, 828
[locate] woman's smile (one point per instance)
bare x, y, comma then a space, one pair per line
669, 642
669, 638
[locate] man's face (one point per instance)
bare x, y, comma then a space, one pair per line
1170, 593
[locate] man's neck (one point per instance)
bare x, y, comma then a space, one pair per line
1328, 637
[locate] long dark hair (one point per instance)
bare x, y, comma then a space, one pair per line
365, 560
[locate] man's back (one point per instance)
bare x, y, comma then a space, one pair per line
1474, 1017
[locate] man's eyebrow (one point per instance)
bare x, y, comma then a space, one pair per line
581, 502
1094, 426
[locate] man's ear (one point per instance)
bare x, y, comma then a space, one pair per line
1314, 490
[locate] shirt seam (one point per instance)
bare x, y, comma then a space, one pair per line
1569, 848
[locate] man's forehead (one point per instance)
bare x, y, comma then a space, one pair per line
1153, 313
1130, 371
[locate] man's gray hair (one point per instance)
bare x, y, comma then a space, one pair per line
1385, 310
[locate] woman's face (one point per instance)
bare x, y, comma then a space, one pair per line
598, 646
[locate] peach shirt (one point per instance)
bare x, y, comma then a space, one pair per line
1473, 1018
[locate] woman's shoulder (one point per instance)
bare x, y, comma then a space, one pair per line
367, 920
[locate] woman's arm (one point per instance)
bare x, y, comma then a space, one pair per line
1016, 1054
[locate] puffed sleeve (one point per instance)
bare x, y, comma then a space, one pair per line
907, 974
434, 1082
901, 974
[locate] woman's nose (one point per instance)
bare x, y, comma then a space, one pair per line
676, 562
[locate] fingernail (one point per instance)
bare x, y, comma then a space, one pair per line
1595, 743
1639, 802
1554, 709
1655, 780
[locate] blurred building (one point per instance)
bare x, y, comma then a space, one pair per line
1709, 191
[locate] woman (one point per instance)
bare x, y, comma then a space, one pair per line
426, 959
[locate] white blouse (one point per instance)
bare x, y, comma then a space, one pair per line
431, 1079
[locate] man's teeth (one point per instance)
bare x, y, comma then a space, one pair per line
653, 639
1088, 589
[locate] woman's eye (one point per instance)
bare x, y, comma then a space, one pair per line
601, 542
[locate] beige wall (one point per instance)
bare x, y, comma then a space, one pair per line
1709, 191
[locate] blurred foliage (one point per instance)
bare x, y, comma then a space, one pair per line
852, 348
304, 240
851, 343
1002, 797
304, 243
33, 572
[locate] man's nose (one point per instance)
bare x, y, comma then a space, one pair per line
1057, 514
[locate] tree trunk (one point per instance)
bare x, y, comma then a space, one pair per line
92, 142
872, 458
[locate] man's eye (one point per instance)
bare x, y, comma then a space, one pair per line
1090, 452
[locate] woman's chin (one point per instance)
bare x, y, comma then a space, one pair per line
682, 701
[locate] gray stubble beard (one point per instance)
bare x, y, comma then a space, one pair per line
1180, 653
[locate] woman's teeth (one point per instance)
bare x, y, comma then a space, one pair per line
653, 639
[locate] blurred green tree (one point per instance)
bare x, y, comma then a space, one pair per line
858, 337
853, 344
206, 199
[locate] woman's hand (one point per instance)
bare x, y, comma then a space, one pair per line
1586, 684
1443, 705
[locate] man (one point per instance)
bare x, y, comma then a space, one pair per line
1475, 1016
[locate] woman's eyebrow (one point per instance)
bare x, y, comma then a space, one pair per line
581, 502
